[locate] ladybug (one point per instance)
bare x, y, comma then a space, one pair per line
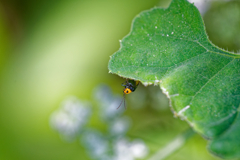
130, 86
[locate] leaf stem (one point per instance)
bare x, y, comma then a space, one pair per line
172, 146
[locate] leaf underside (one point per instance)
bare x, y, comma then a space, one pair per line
202, 81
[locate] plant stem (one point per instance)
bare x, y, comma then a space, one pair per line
172, 146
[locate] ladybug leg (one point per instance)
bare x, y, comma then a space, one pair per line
125, 83
124, 101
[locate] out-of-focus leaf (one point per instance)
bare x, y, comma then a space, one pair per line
222, 22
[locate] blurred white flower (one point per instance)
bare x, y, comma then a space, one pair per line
126, 150
96, 143
122, 150
110, 110
102, 93
138, 149
119, 126
108, 103
69, 119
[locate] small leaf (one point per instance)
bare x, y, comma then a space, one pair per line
201, 80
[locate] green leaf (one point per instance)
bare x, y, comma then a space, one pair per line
170, 47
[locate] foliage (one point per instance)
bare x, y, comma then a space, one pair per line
170, 46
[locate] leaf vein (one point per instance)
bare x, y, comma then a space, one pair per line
211, 80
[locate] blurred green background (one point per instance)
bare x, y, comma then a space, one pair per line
52, 49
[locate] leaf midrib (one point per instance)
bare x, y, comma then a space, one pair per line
210, 79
